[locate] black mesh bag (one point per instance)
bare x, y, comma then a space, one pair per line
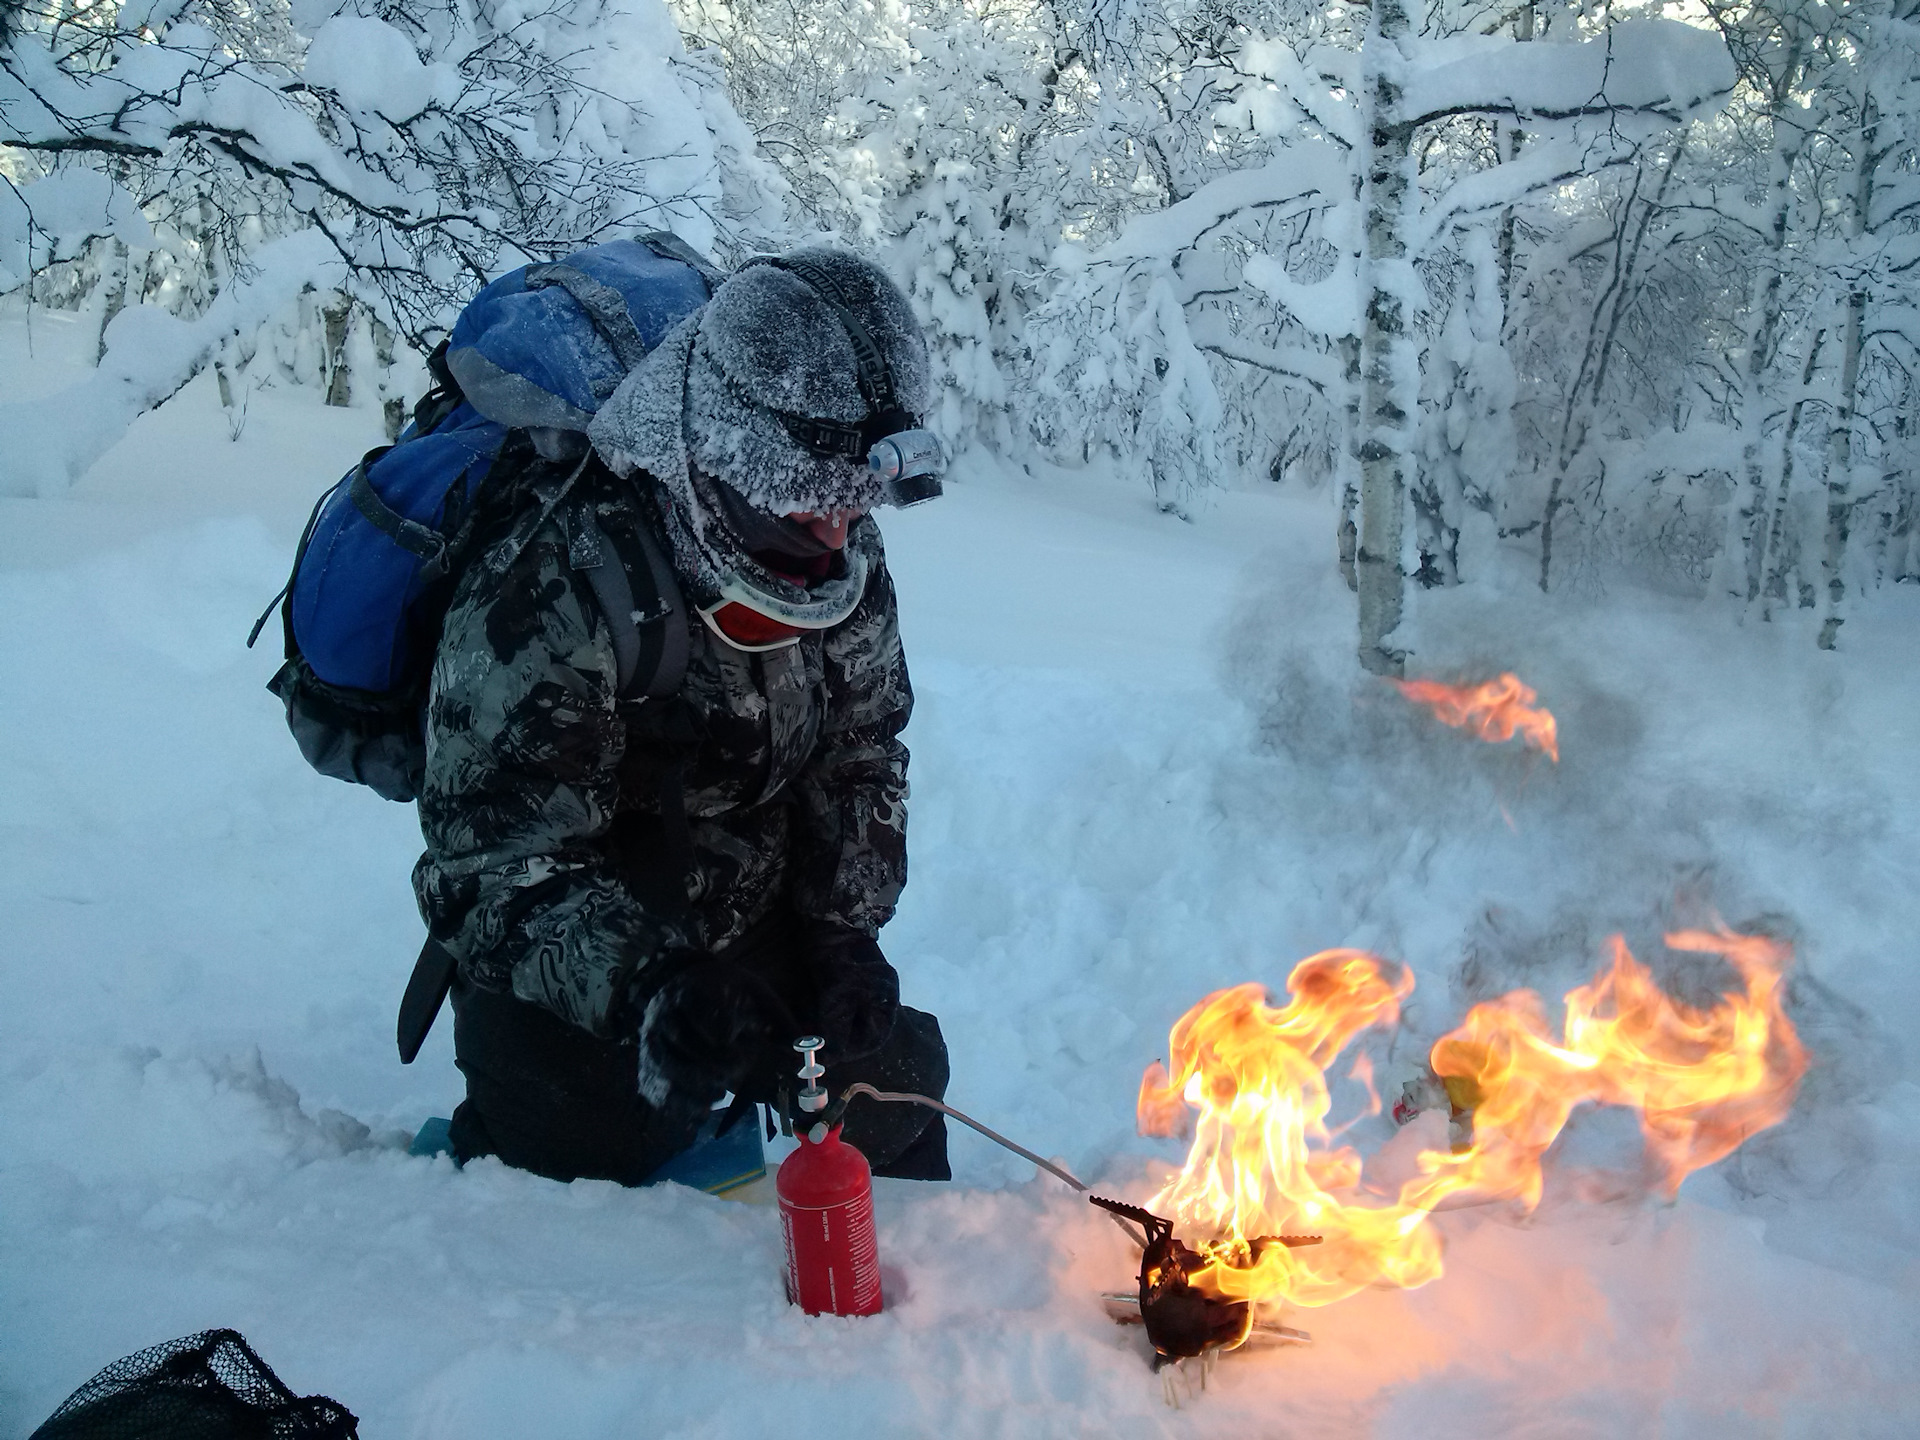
209, 1386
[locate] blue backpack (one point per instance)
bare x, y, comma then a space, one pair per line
528, 363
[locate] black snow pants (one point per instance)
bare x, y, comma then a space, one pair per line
546, 1096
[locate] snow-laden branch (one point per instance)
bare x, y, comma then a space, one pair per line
1315, 89
1330, 308
1320, 372
1553, 162
1303, 175
1662, 66
498, 129
46, 221
408, 151
150, 354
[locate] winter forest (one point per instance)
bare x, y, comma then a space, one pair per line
1634, 291
1302, 368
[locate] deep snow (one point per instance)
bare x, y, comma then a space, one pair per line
1144, 766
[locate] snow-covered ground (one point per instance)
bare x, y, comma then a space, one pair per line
1144, 767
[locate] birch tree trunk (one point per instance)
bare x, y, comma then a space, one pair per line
1348, 535
1760, 348
114, 300
1833, 557
1389, 362
339, 379
1774, 539
1522, 32
1765, 314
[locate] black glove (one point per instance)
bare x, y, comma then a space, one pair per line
705, 1029
859, 991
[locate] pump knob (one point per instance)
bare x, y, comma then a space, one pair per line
812, 1097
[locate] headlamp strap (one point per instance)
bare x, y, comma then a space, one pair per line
885, 415
870, 366
826, 437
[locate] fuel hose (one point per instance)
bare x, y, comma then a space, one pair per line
904, 1097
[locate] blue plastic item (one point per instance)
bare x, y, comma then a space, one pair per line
545, 344
718, 1164
435, 1138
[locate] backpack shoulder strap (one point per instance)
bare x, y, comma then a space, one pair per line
671, 634
642, 604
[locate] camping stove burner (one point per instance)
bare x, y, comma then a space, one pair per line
1182, 1321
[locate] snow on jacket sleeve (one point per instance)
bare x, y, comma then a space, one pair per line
523, 743
850, 860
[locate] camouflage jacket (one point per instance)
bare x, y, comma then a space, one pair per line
548, 869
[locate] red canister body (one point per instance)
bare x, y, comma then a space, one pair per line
826, 1211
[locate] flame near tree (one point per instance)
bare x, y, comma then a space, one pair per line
1495, 711
1263, 1163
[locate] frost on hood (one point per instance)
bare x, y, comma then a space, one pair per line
705, 399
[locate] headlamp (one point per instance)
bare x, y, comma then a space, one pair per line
906, 459
908, 464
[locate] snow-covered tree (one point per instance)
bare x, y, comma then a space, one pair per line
1628, 291
1319, 268
403, 151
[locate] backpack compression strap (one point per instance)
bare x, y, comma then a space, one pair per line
605, 306
422, 540
669, 246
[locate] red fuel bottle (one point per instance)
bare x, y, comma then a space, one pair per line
826, 1213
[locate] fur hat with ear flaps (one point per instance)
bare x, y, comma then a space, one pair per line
708, 404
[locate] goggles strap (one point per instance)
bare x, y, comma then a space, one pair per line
745, 628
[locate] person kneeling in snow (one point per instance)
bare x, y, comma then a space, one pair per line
650, 899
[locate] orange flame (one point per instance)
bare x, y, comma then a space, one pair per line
1495, 711
1261, 1163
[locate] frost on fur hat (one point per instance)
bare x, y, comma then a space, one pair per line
768, 344
706, 397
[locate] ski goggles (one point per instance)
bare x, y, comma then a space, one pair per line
748, 618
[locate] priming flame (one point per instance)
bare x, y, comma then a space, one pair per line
1495, 711
1261, 1163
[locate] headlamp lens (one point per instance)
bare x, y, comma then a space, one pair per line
913, 491
908, 463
